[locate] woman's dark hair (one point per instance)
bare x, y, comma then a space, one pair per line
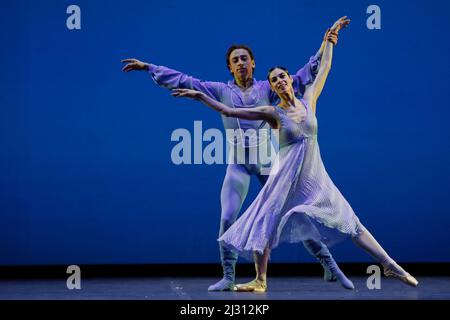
234, 47
276, 67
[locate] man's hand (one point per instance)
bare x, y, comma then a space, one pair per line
134, 65
331, 36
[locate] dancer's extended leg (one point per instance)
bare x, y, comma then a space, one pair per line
367, 242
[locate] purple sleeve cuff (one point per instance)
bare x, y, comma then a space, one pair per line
152, 68
314, 62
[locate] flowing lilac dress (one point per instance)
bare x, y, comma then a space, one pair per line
299, 200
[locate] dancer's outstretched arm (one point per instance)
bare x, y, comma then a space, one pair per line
266, 113
313, 92
173, 79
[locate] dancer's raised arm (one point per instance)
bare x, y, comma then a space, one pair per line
266, 113
313, 92
307, 74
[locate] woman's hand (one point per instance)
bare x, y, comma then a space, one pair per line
332, 34
340, 24
187, 93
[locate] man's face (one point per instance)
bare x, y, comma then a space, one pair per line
241, 64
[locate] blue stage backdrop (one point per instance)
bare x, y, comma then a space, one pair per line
86, 175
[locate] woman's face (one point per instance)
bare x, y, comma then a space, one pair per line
280, 81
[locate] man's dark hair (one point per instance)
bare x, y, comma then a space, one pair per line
276, 67
237, 46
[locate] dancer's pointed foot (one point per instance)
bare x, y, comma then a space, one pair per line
334, 273
343, 280
223, 285
252, 286
393, 270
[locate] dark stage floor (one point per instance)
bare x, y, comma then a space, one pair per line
184, 288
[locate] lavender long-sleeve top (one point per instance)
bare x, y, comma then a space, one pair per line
259, 94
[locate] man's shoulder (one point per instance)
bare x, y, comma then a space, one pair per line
262, 85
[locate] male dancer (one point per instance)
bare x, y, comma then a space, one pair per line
242, 91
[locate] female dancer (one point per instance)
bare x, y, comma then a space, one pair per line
299, 201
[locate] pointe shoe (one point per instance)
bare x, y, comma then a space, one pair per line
395, 271
252, 286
